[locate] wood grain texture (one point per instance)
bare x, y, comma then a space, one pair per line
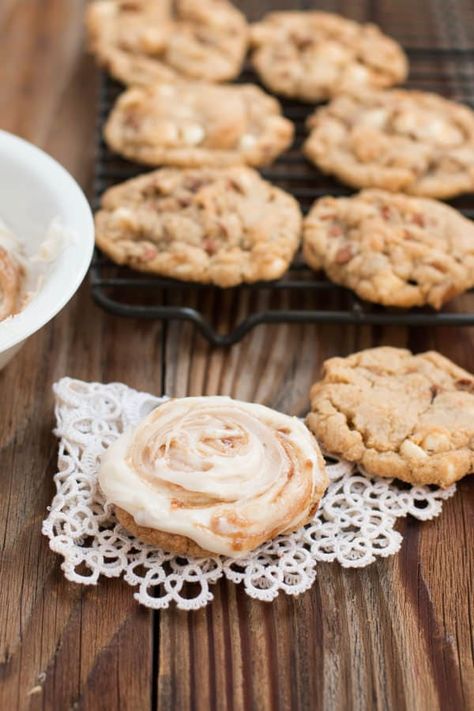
397, 635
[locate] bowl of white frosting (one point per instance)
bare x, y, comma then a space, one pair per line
46, 241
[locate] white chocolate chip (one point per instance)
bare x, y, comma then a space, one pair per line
436, 442
375, 118
124, 216
193, 134
166, 90
247, 141
412, 451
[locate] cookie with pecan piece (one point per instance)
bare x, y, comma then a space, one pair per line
313, 56
191, 124
390, 248
213, 226
146, 41
400, 140
397, 414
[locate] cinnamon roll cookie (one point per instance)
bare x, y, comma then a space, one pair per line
191, 125
397, 414
408, 141
212, 226
313, 56
211, 475
390, 248
147, 41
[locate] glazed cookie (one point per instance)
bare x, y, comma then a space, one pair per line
390, 248
203, 476
147, 41
222, 227
313, 56
407, 141
397, 414
192, 125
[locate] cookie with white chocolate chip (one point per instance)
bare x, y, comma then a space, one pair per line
391, 248
397, 414
213, 226
191, 124
313, 56
399, 140
147, 41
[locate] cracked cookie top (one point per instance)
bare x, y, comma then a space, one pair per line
400, 140
313, 56
223, 227
191, 124
390, 248
397, 414
145, 41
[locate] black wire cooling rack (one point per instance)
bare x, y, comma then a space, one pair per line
301, 296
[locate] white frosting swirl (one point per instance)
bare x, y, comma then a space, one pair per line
228, 475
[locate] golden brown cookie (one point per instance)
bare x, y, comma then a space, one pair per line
170, 542
397, 414
213, 476
390, 248
222, 227
313, 56
191, 124
148, 41
400, 140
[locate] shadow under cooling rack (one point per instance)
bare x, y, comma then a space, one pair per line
300, 296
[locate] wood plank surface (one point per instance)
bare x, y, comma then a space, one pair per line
397, 635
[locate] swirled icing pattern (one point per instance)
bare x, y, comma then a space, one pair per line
228, 475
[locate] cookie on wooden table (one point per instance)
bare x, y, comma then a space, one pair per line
400, 140
391, 248
313, 56
214, 226
145, 41
205, 476
397, 414
191, 124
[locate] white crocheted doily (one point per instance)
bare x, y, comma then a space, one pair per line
353, 526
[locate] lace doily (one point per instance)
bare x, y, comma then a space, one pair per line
353, 526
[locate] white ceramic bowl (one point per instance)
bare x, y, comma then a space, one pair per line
34, 190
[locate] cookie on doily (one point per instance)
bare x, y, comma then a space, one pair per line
391, 248
400, 140
313, 56
215, 226
354, 524
397, 414
191, 124
202, 476
147, 41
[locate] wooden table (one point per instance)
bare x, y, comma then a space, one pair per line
397, 635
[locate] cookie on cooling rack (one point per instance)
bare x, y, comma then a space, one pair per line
146, 41
397, 414
191, 124
400, 140
203, 476
214, 226
313, 56
391, 248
